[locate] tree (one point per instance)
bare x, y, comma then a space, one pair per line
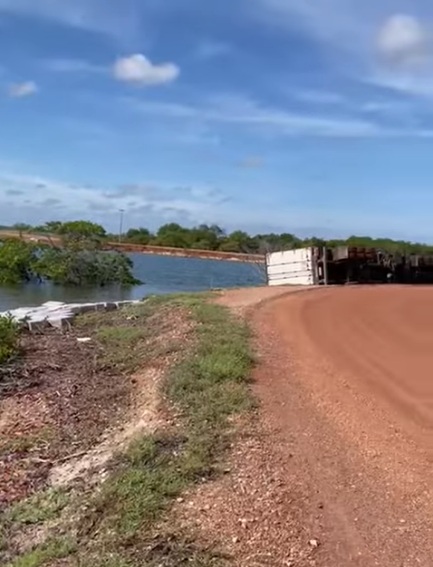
138, 236
206, 237
81, 234
217, 230
314, 241
17, 261
79, 260
85, 267
52, 227
239, 241
173, 235
22, 227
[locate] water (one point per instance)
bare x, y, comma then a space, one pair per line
161, 274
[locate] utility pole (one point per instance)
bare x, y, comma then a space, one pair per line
121, 211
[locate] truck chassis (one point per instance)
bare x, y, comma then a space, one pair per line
356, 265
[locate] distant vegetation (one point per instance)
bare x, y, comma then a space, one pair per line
205, 237
79, 260
213, 237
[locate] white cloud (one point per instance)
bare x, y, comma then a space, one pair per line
140, 70
251, 162
335, 22
387, 44
246, 113
404, 40
135, 69
72, 66
36, 199
209, 49
21, 90
317, 97
118, 20
403, 84
387, 107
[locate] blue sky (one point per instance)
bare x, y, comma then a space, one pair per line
283, 115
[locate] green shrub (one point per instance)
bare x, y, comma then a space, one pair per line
8, 338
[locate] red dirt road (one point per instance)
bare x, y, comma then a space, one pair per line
346, 384
337, 471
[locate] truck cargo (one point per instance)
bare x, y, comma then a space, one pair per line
291, 267
345, 265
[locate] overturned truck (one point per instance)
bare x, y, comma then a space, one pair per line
345, 265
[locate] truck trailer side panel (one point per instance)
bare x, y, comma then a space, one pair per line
292, 267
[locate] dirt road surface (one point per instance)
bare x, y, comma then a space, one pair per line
345, 381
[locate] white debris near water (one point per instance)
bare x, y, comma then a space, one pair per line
58, 314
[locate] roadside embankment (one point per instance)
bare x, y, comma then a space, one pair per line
100, 437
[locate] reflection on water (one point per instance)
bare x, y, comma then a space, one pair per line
161, 274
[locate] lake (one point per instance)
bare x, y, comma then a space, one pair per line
160, 274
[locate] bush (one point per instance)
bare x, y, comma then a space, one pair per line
85, 267
8, 338
16, 261
79, 261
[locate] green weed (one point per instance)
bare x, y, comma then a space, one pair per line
9, 334
39, 508
43, 554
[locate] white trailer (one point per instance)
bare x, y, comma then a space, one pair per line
294, 267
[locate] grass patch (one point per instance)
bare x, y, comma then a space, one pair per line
121, 347
129, 337
44, 554
122, 335
34, 511
124, 317
39, 508
211, 384
134, 497
26, 443
208, 386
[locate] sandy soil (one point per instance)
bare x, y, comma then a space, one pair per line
337, 470
66, 408
53, 403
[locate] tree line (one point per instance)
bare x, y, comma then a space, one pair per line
213, 237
